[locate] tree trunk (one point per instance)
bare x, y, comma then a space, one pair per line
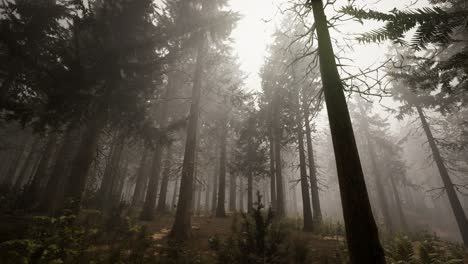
181, 230
241, 194
272, 169
110, 172
249, 192
147, 213
174, 194
232, 192
280, 207
214, 196
317, 211
361, 230
58, 174
76, 183
141, 181
41, 172
220, 208
396, 195
451, 193
23, 173
162, 204
306, 209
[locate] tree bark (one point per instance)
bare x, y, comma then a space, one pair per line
181, 230
220, 208
361, 229
317, 211
306, 209
214, 194
457, 209
110, 172
162, 204
174, 194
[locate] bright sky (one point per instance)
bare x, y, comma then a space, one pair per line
258, 19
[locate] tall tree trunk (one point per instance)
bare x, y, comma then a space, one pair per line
232, 192
361, 229
174, 194
23, 174
220, 209
162, 204
241, 194
181, 229
41, 172
306, 209
207, 195
451, 193
272, 169
76, 182
396, 196
317, 211
249, 192
214, 194
280, 207
110, 172
50, 196
141, 180
147, 213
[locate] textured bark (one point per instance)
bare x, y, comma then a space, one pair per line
457, 209
26, 168
181, 230
232, 192
76, 182
220, 208
306, 209
361, 230
162, 202
272, 169
317, 211
141, 180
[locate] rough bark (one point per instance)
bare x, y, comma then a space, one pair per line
162, 202
181, 230
220, 208
306, 209
361, 229
317, 211
457, 209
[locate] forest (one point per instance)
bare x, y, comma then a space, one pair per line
233, 131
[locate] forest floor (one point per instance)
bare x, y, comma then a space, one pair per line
206, 227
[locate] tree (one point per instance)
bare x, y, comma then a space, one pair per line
361, 230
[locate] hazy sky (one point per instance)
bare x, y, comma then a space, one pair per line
259, 17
